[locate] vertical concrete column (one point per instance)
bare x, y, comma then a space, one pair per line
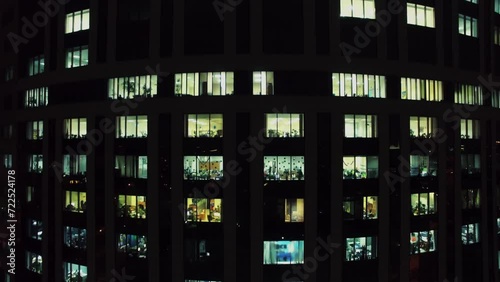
94, 34
442, 209
483, 194
257, 122
337, 194
383, 197
91, 199
177, 197
109, 194
229, 200
153, 197
457, 199
311, 192
55, 168
404, 254
335, 29
494, 194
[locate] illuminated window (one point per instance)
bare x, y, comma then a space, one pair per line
37, 97
134, 86
472, 1
358, 85
423, 241
284, 125
35, 229
132, 206
203, 125
284, 168
471, 163
423, 127
263, 83
495, 99
36, 65
34, 130
360, 126
294, 210
7, 161
75, 237
30, 193
471, 199
132, 127
497, 6
467, 25
35, 163
357, 9
75, 201
75, 128
79, 20
74, 165
356, 208
421, 89
420, 15
133, 245
204, 83
75, 272
132, 166
203, 210
423, 203
470, 233
34, 262
360, 167
360, 248
283, 252
203, 167
423, 166
77, 57
468, 94
469, 129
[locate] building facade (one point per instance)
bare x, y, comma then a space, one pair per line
251, 140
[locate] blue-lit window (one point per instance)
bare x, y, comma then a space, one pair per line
471, 163
75, 128
35, 163
75, 237
36, 65
360, 248
134, 245
77, 57
497, 6
423, 166
360, 167
7, 161
9, 73
74, 165
467, 25
75, 272
470, 233
423, 242
284, 252
495, 99
284, 168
